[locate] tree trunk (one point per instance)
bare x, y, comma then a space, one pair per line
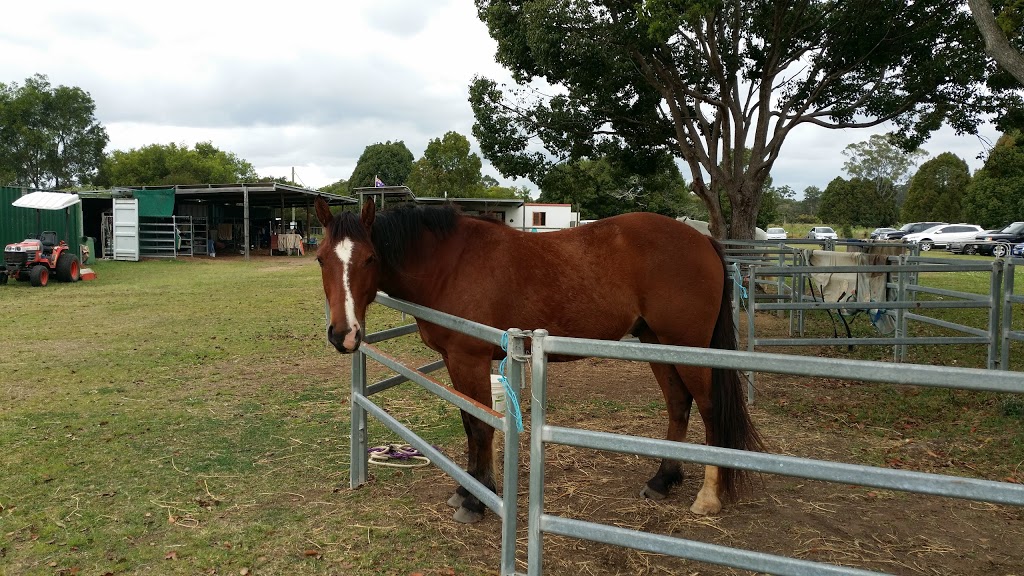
745, 203
996, 43
716, 219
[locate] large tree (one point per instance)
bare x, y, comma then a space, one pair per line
159, 164
601, 188
881, 161
1002, 33
994, 197
447, 168
936, 190
49, 136
856, 202
704, 79
391, 162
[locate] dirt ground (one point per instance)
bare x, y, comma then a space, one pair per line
871, 529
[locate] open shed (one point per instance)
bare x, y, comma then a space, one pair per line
198, 219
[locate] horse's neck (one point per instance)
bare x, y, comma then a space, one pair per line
420, 278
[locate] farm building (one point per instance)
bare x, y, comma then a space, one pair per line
517, 213
189, 220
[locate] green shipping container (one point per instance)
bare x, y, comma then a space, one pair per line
17, 224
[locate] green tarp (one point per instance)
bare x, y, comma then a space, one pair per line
155, 203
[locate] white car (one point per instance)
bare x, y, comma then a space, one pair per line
776, 233
943, 234
821, 233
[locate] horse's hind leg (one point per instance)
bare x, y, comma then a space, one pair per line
678, 402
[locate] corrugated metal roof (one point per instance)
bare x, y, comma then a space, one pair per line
46, 200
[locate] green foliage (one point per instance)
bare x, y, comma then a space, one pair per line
340, 187
856, 202
994, 197
675, 77
159, 164
49, 136
602, 188
936, 190
447, 168
390, 161
881, 161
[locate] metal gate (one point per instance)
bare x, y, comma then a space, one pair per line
513, 341
126, 229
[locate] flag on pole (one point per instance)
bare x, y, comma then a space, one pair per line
377, 182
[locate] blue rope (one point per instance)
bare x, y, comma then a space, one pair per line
736, 278
512, 399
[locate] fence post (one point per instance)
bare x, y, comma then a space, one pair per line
538, 406
510, 482
357, 444
995, 293
1007, 316
751, 304
900, 350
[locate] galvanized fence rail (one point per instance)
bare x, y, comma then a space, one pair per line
504, 506
542, 434
1009, 335
908, 307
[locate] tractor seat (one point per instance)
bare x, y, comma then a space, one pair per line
48, 238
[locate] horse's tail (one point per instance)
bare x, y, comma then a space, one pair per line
729, 417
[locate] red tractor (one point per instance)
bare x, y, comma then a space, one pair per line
35, 259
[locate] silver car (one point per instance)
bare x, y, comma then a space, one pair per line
822, 233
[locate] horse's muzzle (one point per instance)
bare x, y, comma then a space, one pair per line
338, 340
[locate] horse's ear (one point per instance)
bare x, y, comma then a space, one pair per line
323, 211
369, 212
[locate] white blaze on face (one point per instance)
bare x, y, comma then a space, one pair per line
344, 252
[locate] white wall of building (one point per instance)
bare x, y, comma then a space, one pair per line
535, 217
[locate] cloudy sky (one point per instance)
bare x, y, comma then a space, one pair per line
305, 85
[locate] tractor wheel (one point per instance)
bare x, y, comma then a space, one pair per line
40, 275
67, 268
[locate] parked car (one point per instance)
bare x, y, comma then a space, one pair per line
943, 234
1017, 251
880, 233
776, 233
996, 243
911, 228
821, 233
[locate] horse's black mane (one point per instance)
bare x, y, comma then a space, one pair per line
396, 229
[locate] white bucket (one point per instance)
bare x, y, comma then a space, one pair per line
497, 394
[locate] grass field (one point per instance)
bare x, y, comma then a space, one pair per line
188, 417
180, 417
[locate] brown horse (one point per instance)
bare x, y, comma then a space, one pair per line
640, 274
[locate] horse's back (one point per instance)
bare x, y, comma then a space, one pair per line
594, 281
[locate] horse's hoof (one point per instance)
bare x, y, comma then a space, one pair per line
467, 516
705, 508
456, 500
651, 493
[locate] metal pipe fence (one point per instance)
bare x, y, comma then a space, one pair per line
504, 506
1009, 335
542, 434
903, 297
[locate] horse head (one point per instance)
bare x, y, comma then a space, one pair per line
350, 270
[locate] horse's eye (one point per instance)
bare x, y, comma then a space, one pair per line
319, 261
370, 259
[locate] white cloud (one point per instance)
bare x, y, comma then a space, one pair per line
302, 84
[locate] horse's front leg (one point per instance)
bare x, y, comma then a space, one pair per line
470, 374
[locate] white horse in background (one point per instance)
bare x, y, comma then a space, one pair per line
702, 227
